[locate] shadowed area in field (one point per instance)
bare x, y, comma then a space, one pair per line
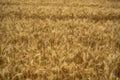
96, 17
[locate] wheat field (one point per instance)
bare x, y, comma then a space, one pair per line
59, 40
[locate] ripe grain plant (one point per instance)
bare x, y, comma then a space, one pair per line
59, 40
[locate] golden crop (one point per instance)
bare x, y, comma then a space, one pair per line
59, 40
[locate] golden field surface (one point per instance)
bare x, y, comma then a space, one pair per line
59, 40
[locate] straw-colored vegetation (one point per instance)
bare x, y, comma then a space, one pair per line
59, 40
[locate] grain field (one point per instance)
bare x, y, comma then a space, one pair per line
59, 40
